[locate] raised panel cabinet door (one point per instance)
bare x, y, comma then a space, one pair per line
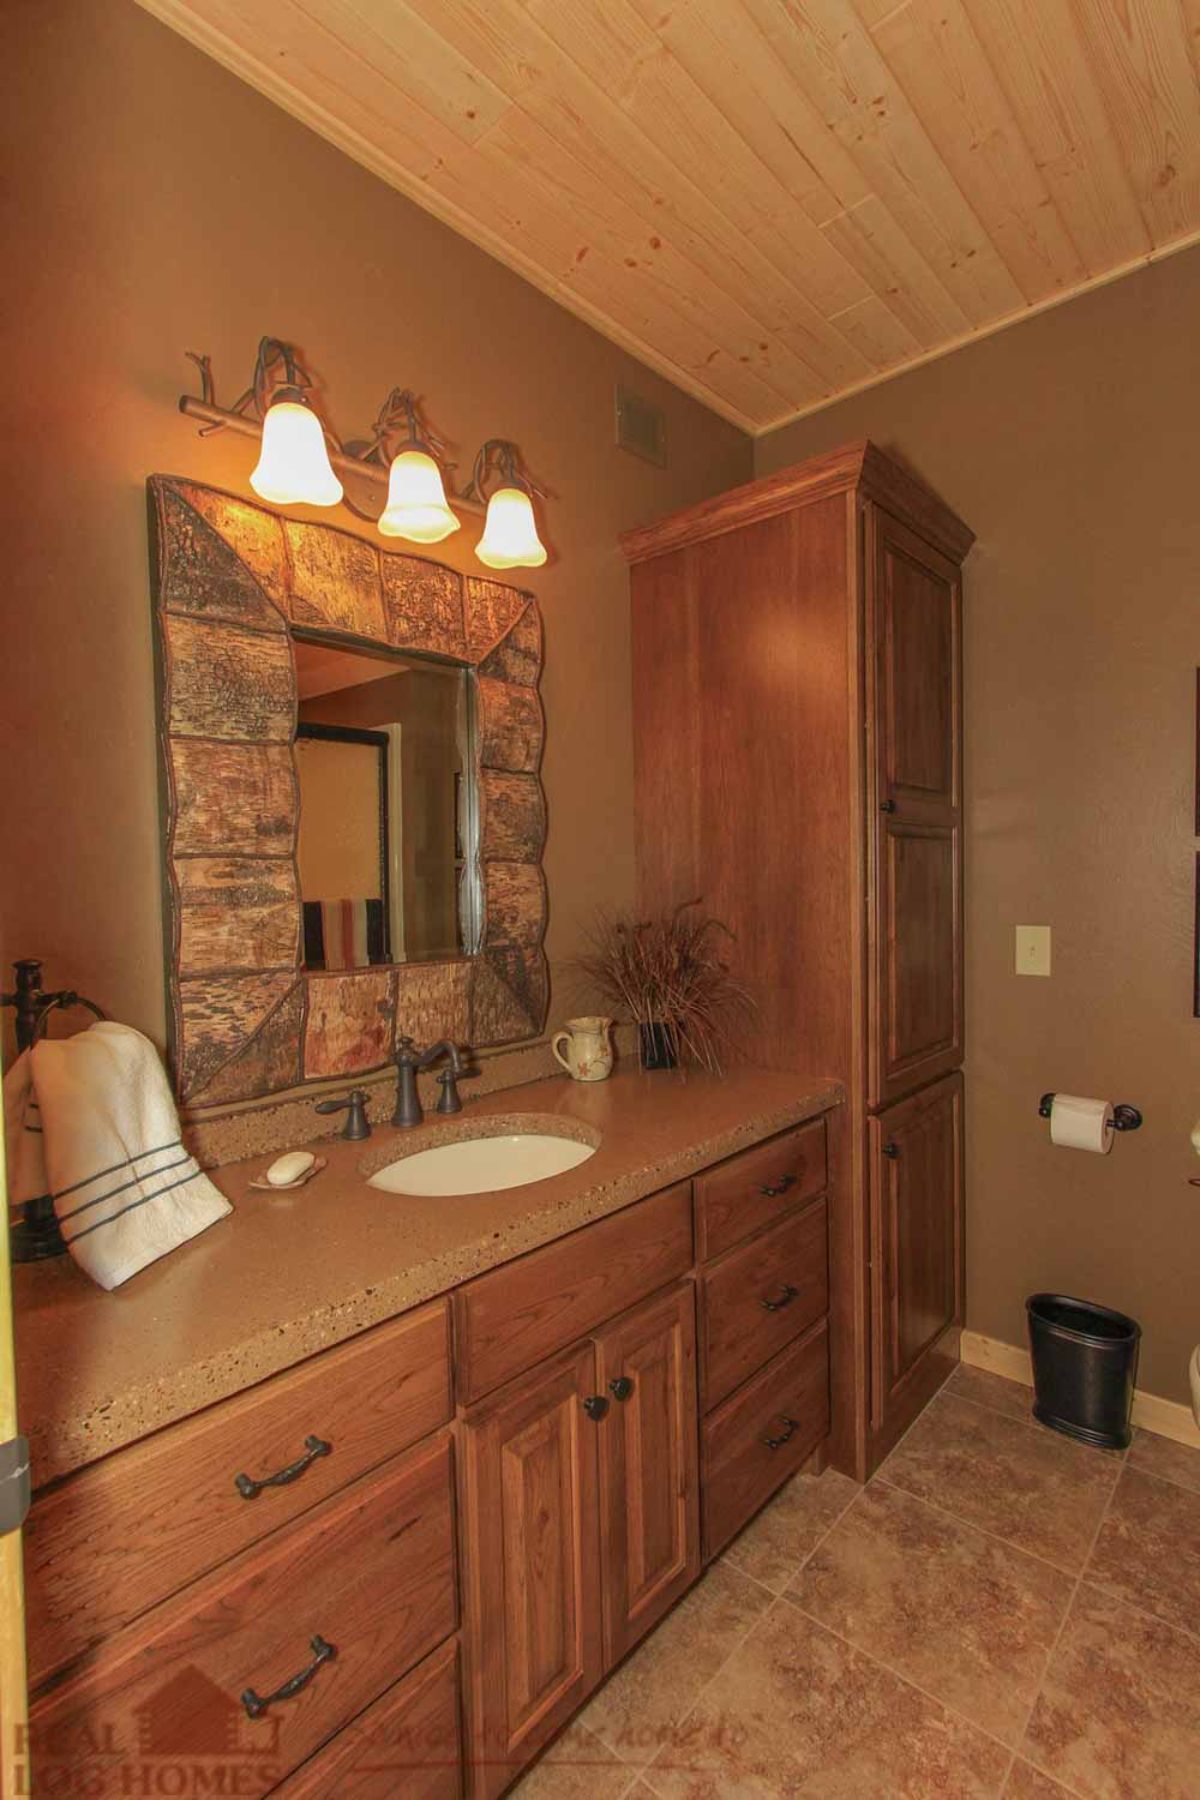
530, 1545
649, 1482
917, 1250
915, 719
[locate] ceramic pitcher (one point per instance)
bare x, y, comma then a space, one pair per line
589, 1054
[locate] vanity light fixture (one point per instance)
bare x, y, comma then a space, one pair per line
416, 499
510, 539
295, 464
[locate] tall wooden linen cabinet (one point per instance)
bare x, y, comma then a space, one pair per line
798, 743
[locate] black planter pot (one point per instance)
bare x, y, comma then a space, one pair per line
658, 1045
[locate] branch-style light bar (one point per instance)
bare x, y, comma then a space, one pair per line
300, 455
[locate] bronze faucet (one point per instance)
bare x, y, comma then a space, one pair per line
409, 1060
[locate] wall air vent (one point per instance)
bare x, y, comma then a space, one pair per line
641, 427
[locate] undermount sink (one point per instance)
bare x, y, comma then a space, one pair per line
481, 1165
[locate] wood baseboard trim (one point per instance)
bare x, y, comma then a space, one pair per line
1168, 1418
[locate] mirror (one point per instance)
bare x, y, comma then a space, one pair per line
243, 599
386, 848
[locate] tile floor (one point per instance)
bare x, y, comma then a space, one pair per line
1001, 1612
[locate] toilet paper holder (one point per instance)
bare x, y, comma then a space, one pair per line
1125, 1117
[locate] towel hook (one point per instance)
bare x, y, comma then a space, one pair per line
36, 1234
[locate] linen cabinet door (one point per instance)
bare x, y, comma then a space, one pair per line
917, 1251
646, 1367
915, 693
530, 1546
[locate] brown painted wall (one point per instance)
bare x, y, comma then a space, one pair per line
162, 206
1069, 444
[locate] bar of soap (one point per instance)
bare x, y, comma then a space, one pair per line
287, 1169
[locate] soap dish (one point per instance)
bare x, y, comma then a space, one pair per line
288, 1187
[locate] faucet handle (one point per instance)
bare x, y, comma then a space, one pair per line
450, 1101
357, 1126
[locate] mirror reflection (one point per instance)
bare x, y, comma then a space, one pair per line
387, 813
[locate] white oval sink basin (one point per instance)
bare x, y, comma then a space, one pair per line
482, 1165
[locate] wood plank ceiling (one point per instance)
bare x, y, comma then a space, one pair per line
773, 202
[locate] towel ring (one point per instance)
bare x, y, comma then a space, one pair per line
36, 1235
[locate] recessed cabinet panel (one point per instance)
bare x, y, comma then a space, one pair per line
919, 1006
914, 626
530, 1539
646, 1366
917, 627
917, 1206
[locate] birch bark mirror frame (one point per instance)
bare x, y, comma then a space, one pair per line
231, 580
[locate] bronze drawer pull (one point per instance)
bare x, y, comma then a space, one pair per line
785, 1299
781, 1187
250, 1489
595, 1406
891, 1150
257, 1704
777, 1443
620, 1387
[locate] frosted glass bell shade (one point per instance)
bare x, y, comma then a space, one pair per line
510, 539
416, 504
293, 464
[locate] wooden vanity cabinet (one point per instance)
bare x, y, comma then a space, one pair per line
529, 1486
764, 1329
529, 1538
580, 1511
649, 1486
162, 1512
169, 1578
266, 1659
798, 761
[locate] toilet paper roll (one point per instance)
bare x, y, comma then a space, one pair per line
1078, 1123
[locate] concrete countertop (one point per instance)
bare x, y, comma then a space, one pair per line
287, 1275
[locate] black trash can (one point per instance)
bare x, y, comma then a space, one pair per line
1084, 1364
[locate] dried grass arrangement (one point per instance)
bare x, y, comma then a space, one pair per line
669, 976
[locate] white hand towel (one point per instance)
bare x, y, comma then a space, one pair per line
90, 1120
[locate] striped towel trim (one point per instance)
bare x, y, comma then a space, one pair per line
124, 1187
126, 1162
145, 1200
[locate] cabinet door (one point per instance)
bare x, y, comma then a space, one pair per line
530, 1546
917, 1250
915, 618
646, 1365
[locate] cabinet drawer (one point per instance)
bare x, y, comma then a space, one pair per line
758, 1298
110, 1542
407, 1743
762, 1435
520, 1314
747, 1192
370, 1574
